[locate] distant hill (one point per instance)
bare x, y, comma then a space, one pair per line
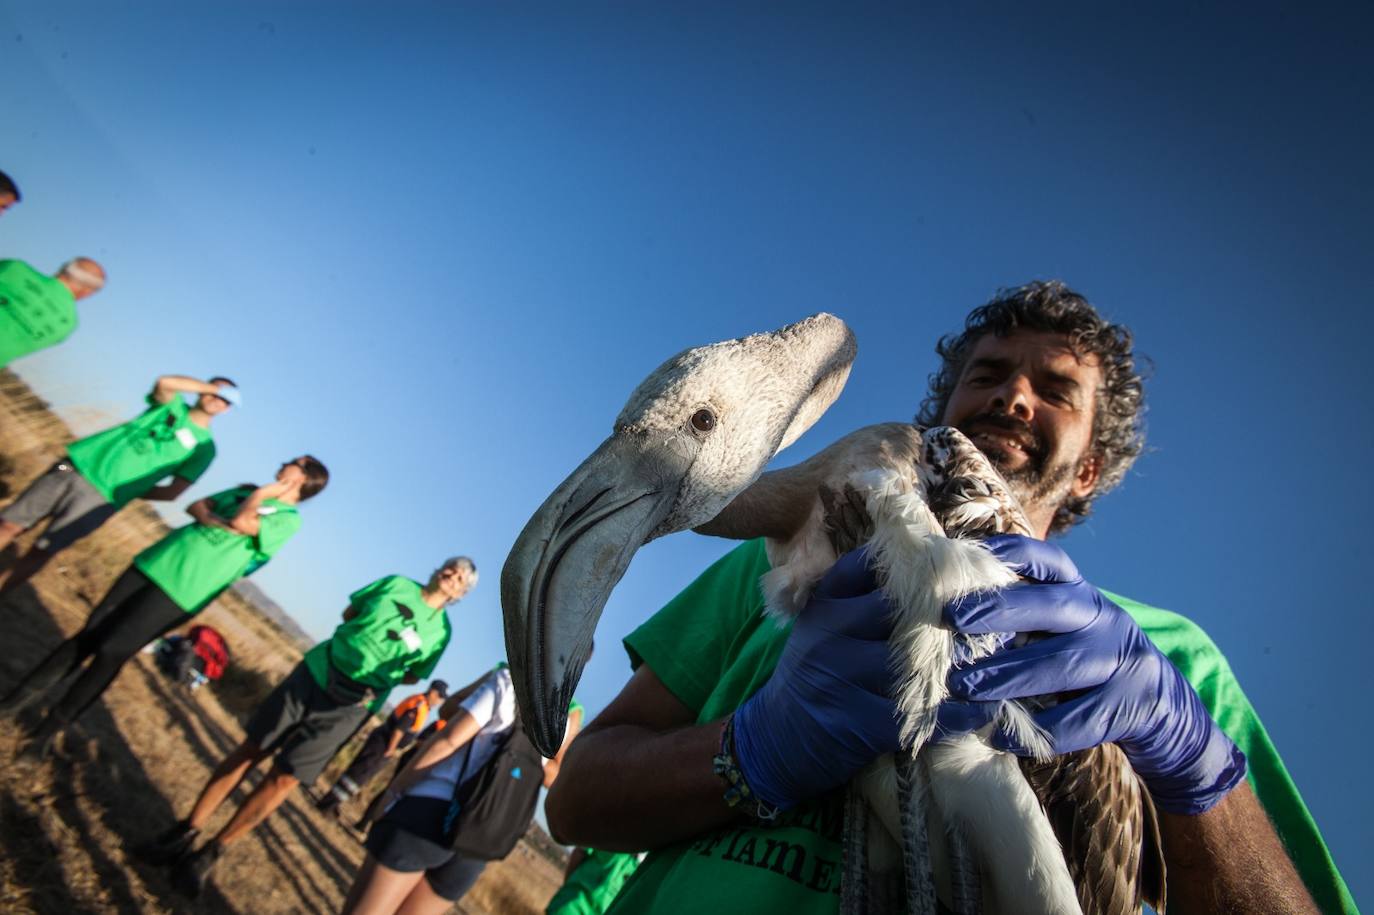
274, 612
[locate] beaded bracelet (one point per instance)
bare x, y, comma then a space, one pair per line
738, 794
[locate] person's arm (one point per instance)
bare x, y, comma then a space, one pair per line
579, 854
204, 514
392, 744
438, 748
643, 773
169, 386
1229, 859
1220, 850
168, 492
247, 521
664, 789
552, 766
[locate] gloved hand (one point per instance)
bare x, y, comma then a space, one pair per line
827, 711
1131, 694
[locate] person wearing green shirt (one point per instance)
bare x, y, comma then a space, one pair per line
38, 311
394, 631
1048, 390
103, 472
235, 532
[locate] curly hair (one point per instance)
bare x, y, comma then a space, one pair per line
1049, 305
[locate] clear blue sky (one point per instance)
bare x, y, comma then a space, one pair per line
439, 244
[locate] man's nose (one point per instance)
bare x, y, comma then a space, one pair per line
1014, 396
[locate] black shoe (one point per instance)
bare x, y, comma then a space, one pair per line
193, 870
168, 846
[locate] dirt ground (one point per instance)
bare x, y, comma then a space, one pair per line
136, 760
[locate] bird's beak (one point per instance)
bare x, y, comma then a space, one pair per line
566, 561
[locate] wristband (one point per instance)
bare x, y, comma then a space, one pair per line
738, 795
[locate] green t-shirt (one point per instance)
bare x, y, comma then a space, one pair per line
394, 633
193, 564
591, 888
36, 311
713, 647
127, 460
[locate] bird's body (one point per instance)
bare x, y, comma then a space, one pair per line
925, 497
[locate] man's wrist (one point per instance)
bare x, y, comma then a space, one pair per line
1204, 763
738, 794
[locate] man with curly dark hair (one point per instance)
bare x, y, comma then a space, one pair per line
1049, 390
1118, 434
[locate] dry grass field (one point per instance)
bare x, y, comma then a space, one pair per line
136, 759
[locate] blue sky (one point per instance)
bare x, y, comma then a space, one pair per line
439, 244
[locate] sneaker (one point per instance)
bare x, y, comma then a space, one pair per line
193, 870
166, 847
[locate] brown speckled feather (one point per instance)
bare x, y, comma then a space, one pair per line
1107, 826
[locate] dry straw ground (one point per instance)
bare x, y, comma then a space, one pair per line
137, 758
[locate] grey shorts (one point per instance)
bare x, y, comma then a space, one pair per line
303, 726
75, 506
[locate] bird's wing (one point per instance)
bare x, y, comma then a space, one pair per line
1107, 825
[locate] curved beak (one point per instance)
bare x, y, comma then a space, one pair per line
566, 561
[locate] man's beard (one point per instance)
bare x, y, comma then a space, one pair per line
1039, 480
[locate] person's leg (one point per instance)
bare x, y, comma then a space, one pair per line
423, 900
67, 656
35, 503
25, 567
76, 508
113, 640
379, 890
226, 777
8, 531
193, 870
448, 882
270, 793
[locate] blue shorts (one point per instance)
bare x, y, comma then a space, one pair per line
411, 837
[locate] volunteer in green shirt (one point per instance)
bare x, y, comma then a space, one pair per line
38, 311
1049, 391
101, 473
592, 881
235, 532
393, 632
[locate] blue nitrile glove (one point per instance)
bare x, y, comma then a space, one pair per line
1125, 691
827, 710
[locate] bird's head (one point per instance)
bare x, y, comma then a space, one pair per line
692, 436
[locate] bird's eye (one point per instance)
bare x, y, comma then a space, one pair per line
703, 420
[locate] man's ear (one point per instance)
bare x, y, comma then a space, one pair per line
1086, 477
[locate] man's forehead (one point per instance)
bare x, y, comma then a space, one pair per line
1052, 350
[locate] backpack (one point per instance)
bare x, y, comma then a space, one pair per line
492, 809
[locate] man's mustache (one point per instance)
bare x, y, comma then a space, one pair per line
1011, 425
